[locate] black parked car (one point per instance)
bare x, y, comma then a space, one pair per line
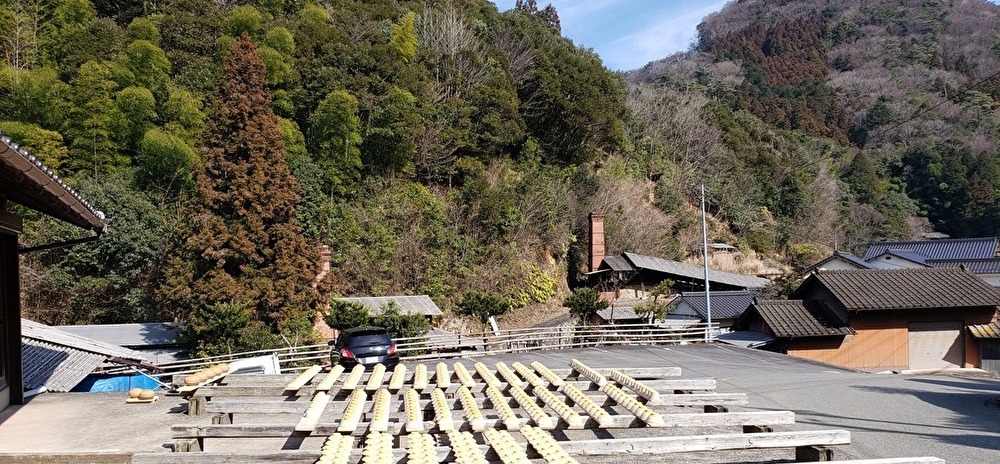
364, 345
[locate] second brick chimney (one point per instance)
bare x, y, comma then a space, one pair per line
596, 240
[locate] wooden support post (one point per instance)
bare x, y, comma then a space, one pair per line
189, 445
813, 454
196, 405
222, 419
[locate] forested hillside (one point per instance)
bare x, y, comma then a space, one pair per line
436, 147
904, 91
449, 149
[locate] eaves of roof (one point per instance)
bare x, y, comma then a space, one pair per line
916, 288
25, 180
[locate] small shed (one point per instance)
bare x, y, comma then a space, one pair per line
727, 306
157, 341
988, 336
408, 304
59, 361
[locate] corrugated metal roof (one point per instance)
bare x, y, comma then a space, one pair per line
42, 332
725, 305
989, 331
884, 289
975, 266
129, 335
57, 367
618, 263
796, 318
409, 304
619, 313
692, 271
957, 248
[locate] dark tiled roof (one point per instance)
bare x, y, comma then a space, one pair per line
617, 263
693, 271
725, 305
991, 330
958, 248
848, 257
882, 289
25, 180
796, 318
975, 266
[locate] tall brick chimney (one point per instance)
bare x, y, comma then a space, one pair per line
596, 240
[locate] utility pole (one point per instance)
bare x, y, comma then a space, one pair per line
704, 254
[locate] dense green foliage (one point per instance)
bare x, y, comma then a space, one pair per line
584, 303
346, 315
435, 148
483, 306
448, 149
242, 245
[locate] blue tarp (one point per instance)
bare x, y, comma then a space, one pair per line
115, 383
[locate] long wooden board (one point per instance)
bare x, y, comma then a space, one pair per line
762, 418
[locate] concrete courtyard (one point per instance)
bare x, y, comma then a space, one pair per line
955, 417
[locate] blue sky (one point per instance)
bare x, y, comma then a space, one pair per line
627, 34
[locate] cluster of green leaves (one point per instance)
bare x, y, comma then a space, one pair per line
584, 303
347, 314
433, 146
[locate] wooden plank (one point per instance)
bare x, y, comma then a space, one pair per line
646, 445
331, 378
665, 387
278, 406
187, 389
395, 426
681, 444
311, 417
302, 379
917, 460
640, 373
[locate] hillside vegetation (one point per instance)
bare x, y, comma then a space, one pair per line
448, 149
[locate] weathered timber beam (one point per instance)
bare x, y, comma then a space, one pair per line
664, 386
618, 422
680, 444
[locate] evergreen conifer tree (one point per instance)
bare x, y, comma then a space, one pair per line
243, 244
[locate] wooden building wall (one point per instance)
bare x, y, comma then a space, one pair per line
882, 339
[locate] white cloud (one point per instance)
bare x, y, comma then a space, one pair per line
672, 32
664, 26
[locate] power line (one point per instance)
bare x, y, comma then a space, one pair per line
920, 113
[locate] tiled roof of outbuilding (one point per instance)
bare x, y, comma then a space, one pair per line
957, 248
59, 360
694, 271
981, 331
975, 266
884, 289
796, 318
725, 305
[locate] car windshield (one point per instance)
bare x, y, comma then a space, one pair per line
367, 339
